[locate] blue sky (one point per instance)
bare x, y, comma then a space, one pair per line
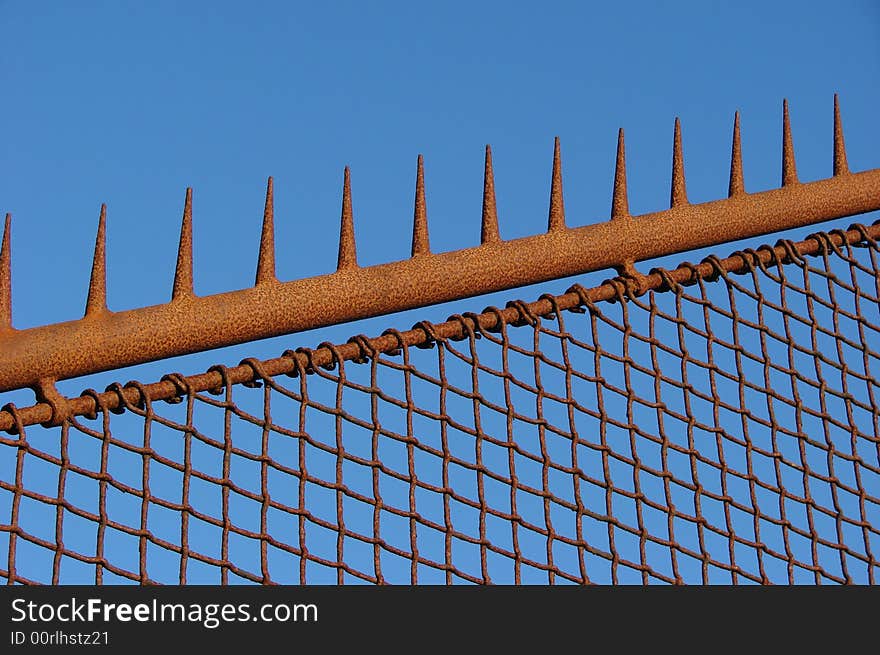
129, 103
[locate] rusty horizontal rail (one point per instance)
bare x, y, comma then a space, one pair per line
116, 397
105, 340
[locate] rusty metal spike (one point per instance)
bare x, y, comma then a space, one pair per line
489, 232
789, 170
6, 276
678, 194
420, 243
556, 218
840, 165
183, 276
75, 348
347, 251
266, 261
619, 201
737, 186
97, 300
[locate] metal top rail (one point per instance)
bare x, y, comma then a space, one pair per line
104, 340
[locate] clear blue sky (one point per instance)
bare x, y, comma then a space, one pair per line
128, 103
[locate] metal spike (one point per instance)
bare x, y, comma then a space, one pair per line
266, 261
737, 186
97, 300
6, 277
789, 170
840, 165
556, 218
678, 194
420, 243
183, 276
111, 341
619, 201
347, 251
489, 232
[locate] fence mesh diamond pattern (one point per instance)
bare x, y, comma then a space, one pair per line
717, 423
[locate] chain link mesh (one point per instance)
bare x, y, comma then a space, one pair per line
722, 432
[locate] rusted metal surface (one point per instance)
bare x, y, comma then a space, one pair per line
722, 426
718, 422
491, 319
105, 340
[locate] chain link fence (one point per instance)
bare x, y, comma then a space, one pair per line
717, 423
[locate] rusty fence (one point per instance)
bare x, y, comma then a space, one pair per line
713, 423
